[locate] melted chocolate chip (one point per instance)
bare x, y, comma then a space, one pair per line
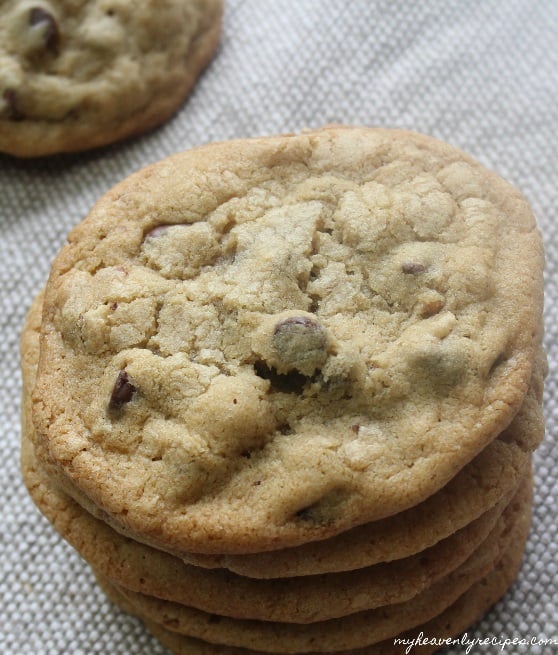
305, 514
51, 34
122, 392
320, 513
285, 428
413, 268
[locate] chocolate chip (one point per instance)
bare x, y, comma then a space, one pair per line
122, 392
300, 343
12, 112
305, 514
439, 368
322, 512
304, 321
413, 268
39, 17
285, 428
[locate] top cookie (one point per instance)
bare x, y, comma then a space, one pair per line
260, 343
76, 74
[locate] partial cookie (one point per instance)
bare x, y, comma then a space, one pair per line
77, 75
354, 631
457, 618
261, 343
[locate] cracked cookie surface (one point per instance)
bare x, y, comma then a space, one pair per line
77, 74
302, 334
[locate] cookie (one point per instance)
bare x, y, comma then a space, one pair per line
167, 395
457, 618
155, 573
77, 75
353, 631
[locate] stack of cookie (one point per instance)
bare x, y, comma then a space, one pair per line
282, 393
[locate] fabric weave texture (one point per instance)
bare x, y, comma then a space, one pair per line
482, 75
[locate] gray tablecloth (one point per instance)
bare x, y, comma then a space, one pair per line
482, 75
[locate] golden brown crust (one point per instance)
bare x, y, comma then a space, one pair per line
143, 569
299, 600
481, 485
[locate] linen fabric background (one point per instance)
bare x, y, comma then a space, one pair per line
481, 74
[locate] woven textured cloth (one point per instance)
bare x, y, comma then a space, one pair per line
481, 74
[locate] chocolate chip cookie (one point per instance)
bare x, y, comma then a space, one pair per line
76, 75
310, 598
265, 342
